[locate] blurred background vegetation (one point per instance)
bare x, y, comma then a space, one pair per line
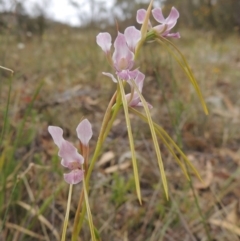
218, 15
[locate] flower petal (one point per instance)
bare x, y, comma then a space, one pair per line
69, 154
104, 41
157, 14
74, 177
141, 105
138, 77
84, 131
166, 24
122, 56
161, 29
173, 35
134, 101
133, 74
132, 36
141, 13
124, 74
173, 16
139, 80
171, 20
57, 134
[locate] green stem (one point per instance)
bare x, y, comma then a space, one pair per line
116, 109
67, 213
106, 127
108, 119
2, 224
6, 111
90, 221
204, 221
114, 115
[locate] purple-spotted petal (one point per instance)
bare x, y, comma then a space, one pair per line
57, 134
69, 154
111, 76
74, 177
104, 40
84, 131
132, 36
122, 56
141, 13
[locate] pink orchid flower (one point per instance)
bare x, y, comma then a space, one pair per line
133, 98
122, 59
71, 159
166, 24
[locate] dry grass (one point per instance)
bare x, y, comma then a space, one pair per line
68, 65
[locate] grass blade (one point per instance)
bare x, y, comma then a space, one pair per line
184, 65
154, 137
163, 135
129, 129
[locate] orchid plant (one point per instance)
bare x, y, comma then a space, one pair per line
125, 71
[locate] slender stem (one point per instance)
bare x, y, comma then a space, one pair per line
105, 126
108, 127
101, 136
67, 213
114, 115
7, 69
6, 112
2, 224
85, 152
204, 221
90, 221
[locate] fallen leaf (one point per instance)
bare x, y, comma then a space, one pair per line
225, 224
118, 167
227, 218
106, 157
227, 152
207, 180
